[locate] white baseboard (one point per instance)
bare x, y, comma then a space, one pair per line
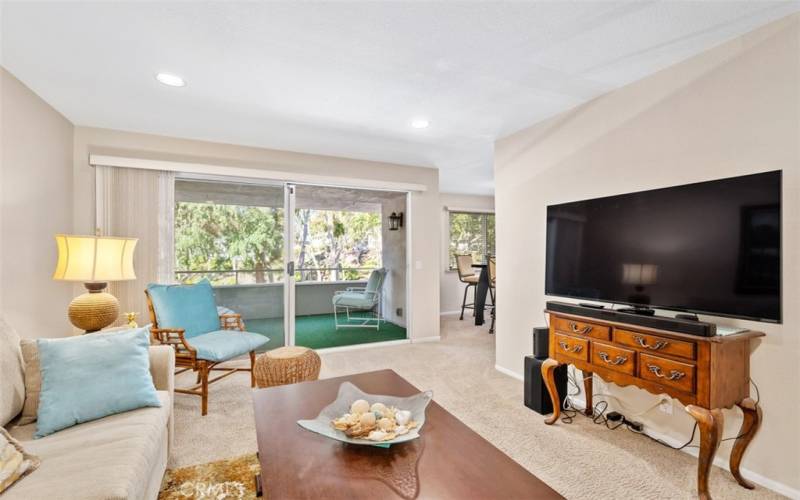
510, 373
419, 340
368, 345
450, 313
719, 461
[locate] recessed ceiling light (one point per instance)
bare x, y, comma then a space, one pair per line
171, 80
420, 123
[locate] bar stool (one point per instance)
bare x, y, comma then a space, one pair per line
492, 285
467, 276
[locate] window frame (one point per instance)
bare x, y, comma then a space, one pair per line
484, 214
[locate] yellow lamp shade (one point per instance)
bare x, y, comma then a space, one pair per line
94, 258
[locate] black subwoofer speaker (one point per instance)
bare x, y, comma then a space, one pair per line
541, 342
536, 395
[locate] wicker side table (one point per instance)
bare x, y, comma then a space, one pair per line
286, 365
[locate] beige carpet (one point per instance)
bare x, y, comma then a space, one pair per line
581, 460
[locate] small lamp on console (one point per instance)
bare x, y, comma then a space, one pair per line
94, 260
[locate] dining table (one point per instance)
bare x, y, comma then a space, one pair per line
481, 291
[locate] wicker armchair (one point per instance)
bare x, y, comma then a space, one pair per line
200, 346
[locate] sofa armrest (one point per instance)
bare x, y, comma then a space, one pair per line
162, 367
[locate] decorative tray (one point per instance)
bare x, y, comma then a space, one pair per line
348, 394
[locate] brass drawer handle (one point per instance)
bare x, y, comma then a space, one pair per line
655, 347
618, 361
576, 329
567, 348
673, 374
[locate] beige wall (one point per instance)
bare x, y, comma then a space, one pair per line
394, 260
424, 252
452, 290
730, 111
35, 204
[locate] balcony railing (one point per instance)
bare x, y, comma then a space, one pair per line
274, 275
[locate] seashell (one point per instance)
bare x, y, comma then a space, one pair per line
376, 436
402, 417
367, 420
386, 424
400, 430
359, 406
378, 408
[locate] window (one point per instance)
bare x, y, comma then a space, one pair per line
471, 233
233, 234
228, 244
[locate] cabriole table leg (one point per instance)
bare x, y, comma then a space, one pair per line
548, 374
711, 423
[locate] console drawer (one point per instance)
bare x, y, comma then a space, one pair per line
655, 343
666, 371
613, 358
572, 347
582, 329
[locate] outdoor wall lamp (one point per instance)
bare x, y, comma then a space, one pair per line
395, 221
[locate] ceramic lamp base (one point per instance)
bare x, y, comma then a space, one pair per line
94, 310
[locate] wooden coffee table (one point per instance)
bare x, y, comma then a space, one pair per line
449, 460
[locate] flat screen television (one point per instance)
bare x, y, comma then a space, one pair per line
710, 248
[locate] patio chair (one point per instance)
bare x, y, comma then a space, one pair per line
185, 317
366, 298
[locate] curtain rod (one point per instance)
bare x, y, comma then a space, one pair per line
470, 210
253, 173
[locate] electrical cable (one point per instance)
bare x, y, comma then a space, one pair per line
599, 417
694, 429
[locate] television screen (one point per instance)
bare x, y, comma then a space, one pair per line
710, 247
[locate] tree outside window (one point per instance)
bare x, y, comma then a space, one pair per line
471, 233
235, 244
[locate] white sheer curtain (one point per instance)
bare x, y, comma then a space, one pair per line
140, 204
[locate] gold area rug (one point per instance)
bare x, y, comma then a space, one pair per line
229, 479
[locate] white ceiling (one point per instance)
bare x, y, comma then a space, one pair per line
345, 79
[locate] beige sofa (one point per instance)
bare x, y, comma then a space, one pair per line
123, 456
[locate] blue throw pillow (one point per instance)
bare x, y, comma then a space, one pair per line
191, 307
92, 376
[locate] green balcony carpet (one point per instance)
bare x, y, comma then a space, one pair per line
319, 331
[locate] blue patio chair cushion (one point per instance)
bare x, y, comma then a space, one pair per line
357, 300
375, 280
222, 345
191, 307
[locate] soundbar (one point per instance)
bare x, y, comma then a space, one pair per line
690, 327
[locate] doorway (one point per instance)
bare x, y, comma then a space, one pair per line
278, 253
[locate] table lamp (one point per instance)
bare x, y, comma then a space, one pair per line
94, 260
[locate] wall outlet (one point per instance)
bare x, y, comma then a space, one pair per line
665, 406
399, 312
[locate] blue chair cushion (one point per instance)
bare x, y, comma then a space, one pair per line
375, 280
222, 345
358, 300
191, 307
92, 376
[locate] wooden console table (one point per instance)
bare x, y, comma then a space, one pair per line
706, 374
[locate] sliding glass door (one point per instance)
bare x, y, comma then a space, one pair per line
233, 233
340, 238
314, 266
